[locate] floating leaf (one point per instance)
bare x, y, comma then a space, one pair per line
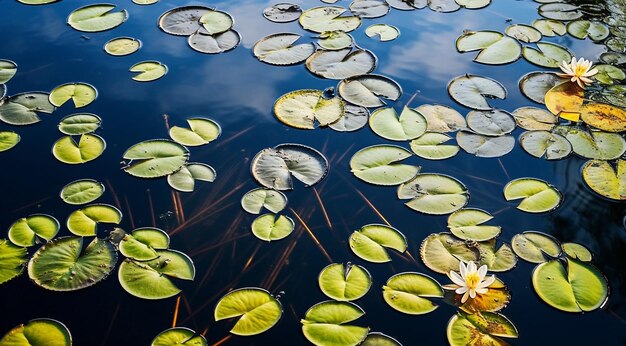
282, 13
603, 179
82, 94
142, 243
500, 260
121, 46
335, 40
537, 195
201, 131
485, 146
473, 4
256, 308
379, 339
369, 8
383, 32
532, 118
344, 282
184, 179
409, 293
472, 91
279, 49
88, 148
63, 265
434, 194
559, 11
579, 288
96, 17
145, 2
565, 100
494, 47
155, 158
303, 108
604, 117
40, 331
353, 118
12, 260
550, 27
324, 324
523, 33
22, 109
367, 90
546, 144
154, 237
593, 144
467, 224
442, 118
79, 124
490, 123
328, 18
430, 146
441, 252
341, 64
386, 123
148, 71
495, 299
371, 241
8, 139
443, 6
8, 69
609, 74
484, 328
407, 5
151, 280
613, 58
577, 251
378, 165
183, 21
215, 22
535, 85
257, 199
582, 29
274, 167
214, 44
535, 247
83, 222
28, 231
179, 336
270, 227
548, 54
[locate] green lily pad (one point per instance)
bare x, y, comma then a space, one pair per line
472, 91
282, 13
546, 144
8, 69
497, 259
214, 44
183, 21
409, 293
434, 194
81, 94
577, 251
369, 8
344, 282
430, 146
369, 90
22, 109
523, 33
28, 231
494, 47
328, 18
257, 310
353, 118
485, 146
407, 5
270, 227
535, 85
302, 109
473, 4
142, 243
485, 328
12, 260
8, 139
467, 224
550, 27
378, 165
145, 2
559, 11
372, 241
380, 339
383, 32
63, 265
276, 167
535, 247
335, 40
202, 131
613, 58
216, 22
96, 17
386, 123
442, 118
582, 29
325, 324
593, 144
38, 332
185, 178
155, 158
444, 6
88, 148
152, 279
179, 336
153, 237
79, 124
83, 222
441, 252
280, 49
579, 288
341, 64
534, 119
609, 74
537, 195
547, 54
148, 71
122, 46
605, 180
82, 191
257, 199
494, 122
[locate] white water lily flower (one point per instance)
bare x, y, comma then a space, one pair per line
579, 71
471, 281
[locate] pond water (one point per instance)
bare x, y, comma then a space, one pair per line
238, 92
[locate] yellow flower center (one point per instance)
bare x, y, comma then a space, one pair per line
472, 280
580, 70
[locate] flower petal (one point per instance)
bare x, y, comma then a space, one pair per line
487, 282
463, 269
472, 293
482, 290
464, 298
482, 271
456, 278
471, 267
461, 290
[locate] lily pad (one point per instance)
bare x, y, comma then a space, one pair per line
495, 299
279, 49
81, 94
22, 109
216, 22
485, 146
604, 117
534, 119
8, 69
494, 47
537, 195
83, 222
407, 5
409, 293
303, 108
12, 260
148, 71
484, 328
183, 21
325, 324
201, 131
282, 13
63, 265
88, 148
369, 8
434, 194
577, 251
142, 243
372, 241
609, 74
605, 180
8, 139
430, 146
442, 118
155, 158
214, 44
30, 230
122, 46
535, 85
79, 124
547, 54
38, 332
472, 91
276, 167
271, 227
565, 100
185, 178
344, 282
582, 29
154, 237
380, 339
444, 6
257, 310
328, 18
341, 64
497, 260
546, 144
559, 11
441, 252
383, 32
490, 123
535, 247
367, 90
580, 287
593, 144
378, 165
523, 33
353, 118
179, 336
550, 27
257, 199
386, 123
467, 224
152, 279
96, 17
335, 40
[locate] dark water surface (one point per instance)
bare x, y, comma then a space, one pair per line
238, 92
